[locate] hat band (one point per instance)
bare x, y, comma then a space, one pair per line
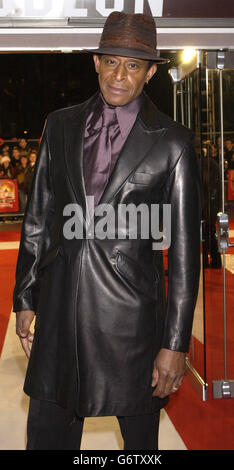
129, 52
128, 44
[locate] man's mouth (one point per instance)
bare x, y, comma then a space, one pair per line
117, 91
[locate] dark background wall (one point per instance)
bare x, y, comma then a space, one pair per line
32, 85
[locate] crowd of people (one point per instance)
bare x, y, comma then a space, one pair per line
212, 195
17, 162
214, 150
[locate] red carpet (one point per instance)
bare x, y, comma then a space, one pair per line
9, 236
209, 425
8, 260
215, 327
201, 425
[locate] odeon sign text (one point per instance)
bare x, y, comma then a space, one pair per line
74, 8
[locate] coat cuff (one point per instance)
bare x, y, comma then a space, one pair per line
175, 344
24, 303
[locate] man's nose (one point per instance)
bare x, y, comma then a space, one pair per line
120, 73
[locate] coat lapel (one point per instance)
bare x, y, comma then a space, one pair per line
74, 128
144, 134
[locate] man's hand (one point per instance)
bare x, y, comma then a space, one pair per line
168, 372
23, 322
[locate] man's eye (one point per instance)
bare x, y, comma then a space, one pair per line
110, 62
133, 66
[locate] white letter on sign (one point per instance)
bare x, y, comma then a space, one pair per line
101, 7
156, 7
70, 10
36, 8
7, 7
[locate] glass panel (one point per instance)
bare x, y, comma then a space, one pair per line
189, 114
219, 291
205, 103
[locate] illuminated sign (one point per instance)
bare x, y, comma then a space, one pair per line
54, 9
68, 25
75, 8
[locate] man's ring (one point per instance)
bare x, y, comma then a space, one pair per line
174, 389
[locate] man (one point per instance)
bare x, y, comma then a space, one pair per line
29, 172
105, 343
24, 147
20, 172
212, 203
16, 155
229, 151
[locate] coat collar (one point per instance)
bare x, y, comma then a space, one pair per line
145, 132
126, 116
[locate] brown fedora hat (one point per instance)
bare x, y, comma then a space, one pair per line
130, 35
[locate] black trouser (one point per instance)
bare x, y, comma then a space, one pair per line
51, 427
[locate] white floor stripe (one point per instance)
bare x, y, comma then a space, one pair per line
99, 433
229, 259
9, 245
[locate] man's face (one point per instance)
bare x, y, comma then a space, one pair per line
229, 145
32, 157
16, 154
122, 79
23, 161
23, 143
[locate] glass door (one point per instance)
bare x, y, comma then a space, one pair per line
220, 249
187, 111
204, 102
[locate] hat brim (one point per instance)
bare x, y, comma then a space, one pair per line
125, 52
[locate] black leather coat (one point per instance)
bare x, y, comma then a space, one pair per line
100, 304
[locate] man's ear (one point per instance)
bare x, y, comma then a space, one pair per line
151, 72
96, 60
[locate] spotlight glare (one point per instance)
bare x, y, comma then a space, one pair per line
188, 54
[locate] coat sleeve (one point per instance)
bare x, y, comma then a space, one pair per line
39, 208
183, 192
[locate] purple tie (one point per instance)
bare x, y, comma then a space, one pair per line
100, 156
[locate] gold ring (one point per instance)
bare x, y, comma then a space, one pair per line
174, 389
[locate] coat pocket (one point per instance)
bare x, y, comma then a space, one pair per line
135, 275
141, 178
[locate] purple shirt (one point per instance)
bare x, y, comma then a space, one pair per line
126, 116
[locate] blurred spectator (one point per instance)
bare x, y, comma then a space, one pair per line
6, 168
212, 200
19, 174
28, 175
5, 153
231, 164
16, 156
219, 143
24, 147
229, 151
5, 148
214, 152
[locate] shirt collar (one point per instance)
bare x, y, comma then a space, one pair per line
126, 114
